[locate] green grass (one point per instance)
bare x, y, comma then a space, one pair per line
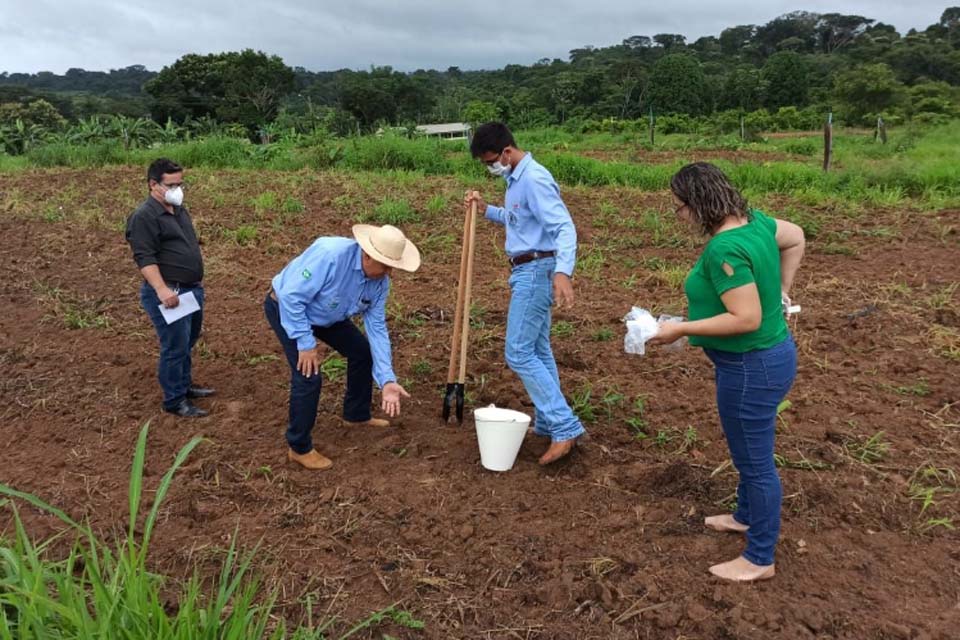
265, 202
243, 235
562, 329
868, 450
604, 334
422, 368
99, 590
918, 163
292, 205
333, 368
392, 211
591, 263
77, 318
437, 204
582, 404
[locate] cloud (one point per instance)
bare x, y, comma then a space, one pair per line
43, 35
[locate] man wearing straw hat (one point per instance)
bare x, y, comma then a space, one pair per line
314, 298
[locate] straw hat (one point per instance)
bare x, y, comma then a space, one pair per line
387, 245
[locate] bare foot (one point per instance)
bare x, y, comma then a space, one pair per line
724, 522
742, 570
557, 450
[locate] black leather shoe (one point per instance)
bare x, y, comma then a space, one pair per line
186, 410
200, 392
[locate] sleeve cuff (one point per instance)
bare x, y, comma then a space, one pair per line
384, 380
306, 342
493, 213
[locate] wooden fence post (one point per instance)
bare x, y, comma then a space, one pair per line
881, 133
828, 142
652, 125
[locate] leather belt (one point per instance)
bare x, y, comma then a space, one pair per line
524, 258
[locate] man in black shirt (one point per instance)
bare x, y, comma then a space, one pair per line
166, 250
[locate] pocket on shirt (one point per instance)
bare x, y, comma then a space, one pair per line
361, 309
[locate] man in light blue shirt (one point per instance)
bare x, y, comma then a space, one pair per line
542, 248
314, 298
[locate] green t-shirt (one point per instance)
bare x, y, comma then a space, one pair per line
732, 259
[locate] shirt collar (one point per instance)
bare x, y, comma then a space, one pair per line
358, 262
158, 208
518, 170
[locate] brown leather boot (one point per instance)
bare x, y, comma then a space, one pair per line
313, 460
372, 422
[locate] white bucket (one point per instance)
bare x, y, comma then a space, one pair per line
500, 433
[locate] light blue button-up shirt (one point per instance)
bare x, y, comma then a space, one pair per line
534, 215
325, 285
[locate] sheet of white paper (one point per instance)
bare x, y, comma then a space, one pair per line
188, 304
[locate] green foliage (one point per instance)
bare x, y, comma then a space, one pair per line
243, 235
396, 153
36, 112
604, 334
792, 60
101, 591
333, 368
787, 80
478, 112
292, 205
395, 211
582, 405
244, 87
677, 85
562, 329
437, 204
422, 368
867, 90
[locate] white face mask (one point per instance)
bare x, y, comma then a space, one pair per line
174, 196
498, 169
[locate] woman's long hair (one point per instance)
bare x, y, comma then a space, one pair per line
709, 195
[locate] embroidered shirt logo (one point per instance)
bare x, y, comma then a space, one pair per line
306, 274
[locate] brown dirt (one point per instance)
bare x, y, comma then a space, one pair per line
608, 544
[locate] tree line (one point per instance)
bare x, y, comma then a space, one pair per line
782, 74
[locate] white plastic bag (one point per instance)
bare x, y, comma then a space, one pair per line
676, 345
641, 326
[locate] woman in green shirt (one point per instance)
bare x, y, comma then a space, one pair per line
736, 292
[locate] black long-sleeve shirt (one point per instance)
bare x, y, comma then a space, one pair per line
166, 240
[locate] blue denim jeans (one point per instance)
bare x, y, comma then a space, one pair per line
749, 388
528, 351
176, 342
349, 342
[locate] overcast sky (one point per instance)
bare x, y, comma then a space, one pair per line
54, 35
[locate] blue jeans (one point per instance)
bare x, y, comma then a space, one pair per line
349, 342
749, 388
176, 342
528, 351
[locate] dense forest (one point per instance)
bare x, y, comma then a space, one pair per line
784, 74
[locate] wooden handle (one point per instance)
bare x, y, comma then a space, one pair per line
461, 283
466, 296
